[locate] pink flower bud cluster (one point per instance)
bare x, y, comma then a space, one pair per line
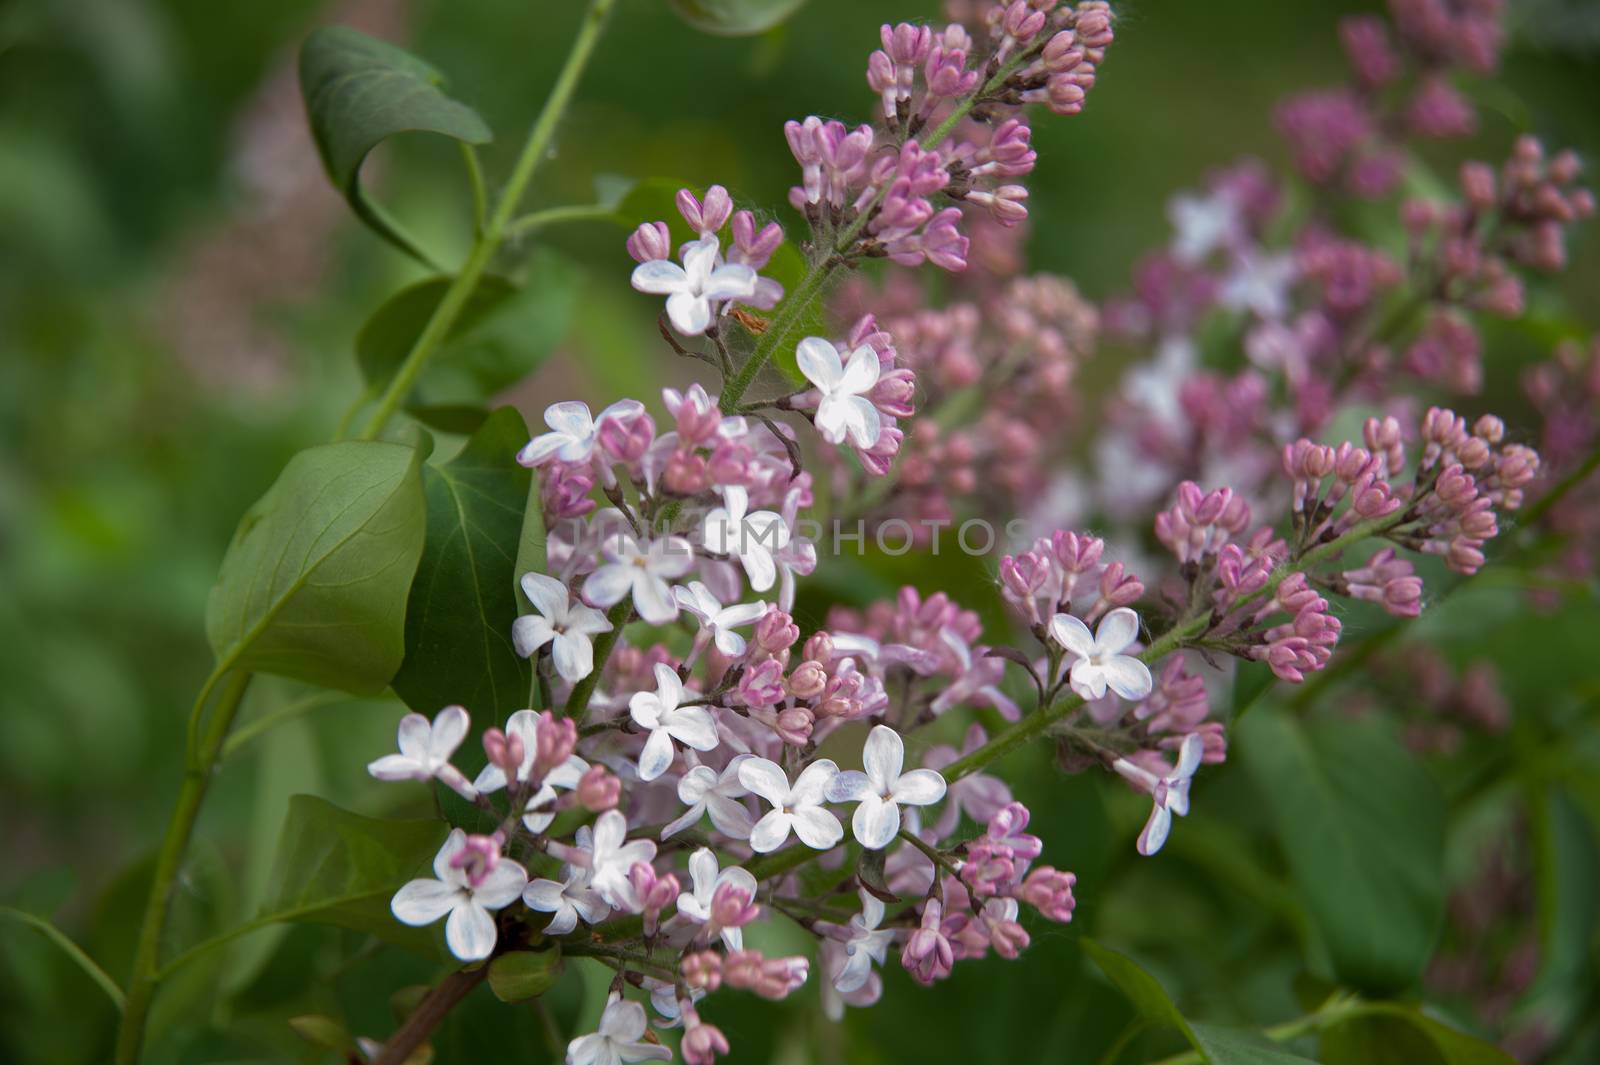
752, 245
1064, 574
1200, 523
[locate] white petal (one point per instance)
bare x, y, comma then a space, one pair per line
453, 843
657, 755
609, 584
652, 598
1088, 679
610, 829
731, 281
862, 372
740, 614
730, 643
729, 815
763, 777
882, 757
699, 259
1155, 830
470, 932
819, 361
659, 276
694, 784
811, 786
875, 822
669, 689
862, 422
689, 817
760, 568
502, 886
690, 314
1189, 755
573, 653
692, 726
548, 595
546, 896
529, 633
703, 873
852, 785
1116, 630
920, 787
449, 729
832, 416
423, 901
770, 832
1128, 677
398, 767
854, 973
672, 557
413, 737
1067, 630
571, 417
564, 921
542, 448
817, 828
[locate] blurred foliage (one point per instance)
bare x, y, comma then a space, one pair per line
180, 299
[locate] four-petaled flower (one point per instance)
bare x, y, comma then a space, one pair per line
881, 790
1100, 662
470, 930
694, 288
640, 571
662, 714
798, 807
753, 538
425, 750
695, 905
864, 943
573, 432
568, 900
705, 791
620, 1038
1170, 792
843, 407
718, 621
565, 625
612, 857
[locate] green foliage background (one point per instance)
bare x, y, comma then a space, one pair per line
180, 299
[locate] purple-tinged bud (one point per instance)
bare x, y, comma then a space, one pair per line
731, 907
928, 955
554, 741
794, 725
709, 217
702, 970
761, 684
702, 1043
808, 680
650, 242
1050, 892
626, 437
1008, 938
1489, 428
1477, 185
478, 857
504, 752
776, 631
819, 648
751, 246
598, 790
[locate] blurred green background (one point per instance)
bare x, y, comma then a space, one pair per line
179, 294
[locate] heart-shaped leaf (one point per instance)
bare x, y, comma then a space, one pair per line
314, 585
360, 91
463, 601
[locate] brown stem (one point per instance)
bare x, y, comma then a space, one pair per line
430, 1013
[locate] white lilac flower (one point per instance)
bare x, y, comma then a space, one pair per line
843, 408
662, 714
751, 537
540, 809
642, 571
798, 807
569, 900
694, 289
1170, 792
425, 750
1258, 283
567, 626
1202, 224
831, 956
705, 791
524, 726
612, 857
864, 943
880, 791
1100, 662
695, 905
718, 621
573, 432
620, 1038
470, 930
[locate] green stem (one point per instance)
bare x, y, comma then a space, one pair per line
267, 722
578, 212
578, 701
480, 194
197, 777
494, 232
71, 949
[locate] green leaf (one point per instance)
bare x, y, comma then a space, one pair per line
524, 974
314, 584
339, 868
1390, 1034
1230, 1046
360, 91
734, 18
463, 601
1363, 828
503, 333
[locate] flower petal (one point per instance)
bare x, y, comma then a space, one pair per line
770, 832
529, 633
656, 758
1189, 755
1128, 677
832, 418
423, 902
763, 777
882, 757
1067, 630
502, 886
1116, 631
729, 815
548, 595
608, 585
862, 372
573, 653
819, 361
1155, 830
413, 737
652, 598
690, 314
692, 726
760, 568
659, 277
816, 827
851, 785
703, 873
920, 787
470, 932
730, 281
811, 786
398, 767
875, 822
862, 422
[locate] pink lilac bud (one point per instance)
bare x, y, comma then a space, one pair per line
1383, 437
1008, 938
751, 246
626, 437
686, 474
794, 725
776, 631
702, 1043
808, 680
1178, 703
564, 491
1367, 47
504, 752
771, 978
928, 955
598, 790
702, 970
1050, 892
709, 217
1388, 580
895, 393
650, 242
478, 857
1006, 829
819, 648
554, 741
731, 907
761, 684
654, 893
1438, 110
945, 74
696, 414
